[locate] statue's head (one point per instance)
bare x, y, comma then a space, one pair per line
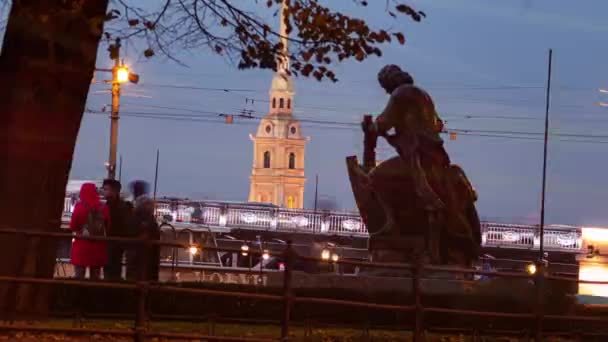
391, 77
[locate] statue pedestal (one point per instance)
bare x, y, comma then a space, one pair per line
397, 249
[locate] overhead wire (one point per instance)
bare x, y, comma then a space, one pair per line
448, 116
362, 110
429, 86
249, 114
216, 117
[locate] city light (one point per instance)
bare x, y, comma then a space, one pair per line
122, 74
591, 271
531, 269
244, 250
325, 254
265, 255
193, 250
335, 257
593, 234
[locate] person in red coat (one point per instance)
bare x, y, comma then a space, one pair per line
91, 254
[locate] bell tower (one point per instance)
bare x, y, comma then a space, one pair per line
279, 147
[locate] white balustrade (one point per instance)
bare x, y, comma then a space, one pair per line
255, 217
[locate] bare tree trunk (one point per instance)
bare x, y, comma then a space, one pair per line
46, 66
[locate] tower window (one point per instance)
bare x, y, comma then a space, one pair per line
281, 103
274, 102
267, 160
292, 161
293, 130
288, 103
268, 128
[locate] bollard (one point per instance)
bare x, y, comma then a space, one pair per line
289, 255
418, 313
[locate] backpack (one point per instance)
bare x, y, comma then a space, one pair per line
96, 223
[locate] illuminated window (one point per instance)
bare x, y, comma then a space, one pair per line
290, 202
292, 161
267, 160
281, 103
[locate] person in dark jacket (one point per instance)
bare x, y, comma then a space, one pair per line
120, 213
147, 255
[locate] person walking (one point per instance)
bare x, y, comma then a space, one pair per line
147, 255
120, 213
90, 218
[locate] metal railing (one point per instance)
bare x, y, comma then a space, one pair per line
143, 287
557, 238
224, 216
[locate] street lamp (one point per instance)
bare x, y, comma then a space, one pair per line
244, 249
531, 269
120, 74
265, 255
193, 250
123, 75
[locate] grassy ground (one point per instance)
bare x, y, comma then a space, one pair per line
233, 330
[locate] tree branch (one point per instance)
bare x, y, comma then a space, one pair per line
322, 36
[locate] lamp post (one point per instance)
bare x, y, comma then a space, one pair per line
120, 74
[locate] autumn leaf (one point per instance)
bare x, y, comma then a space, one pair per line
148, 53
360, 55
400, 37
403, 8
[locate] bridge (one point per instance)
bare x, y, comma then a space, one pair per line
224, 217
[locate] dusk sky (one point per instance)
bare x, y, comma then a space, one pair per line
486, 59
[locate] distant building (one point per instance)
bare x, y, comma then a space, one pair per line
279, 147
75, 185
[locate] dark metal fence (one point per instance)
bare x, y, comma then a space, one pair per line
287, 298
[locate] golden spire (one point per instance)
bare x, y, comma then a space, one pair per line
284, 38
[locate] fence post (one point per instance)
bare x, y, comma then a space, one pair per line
418, 312
211, 322
144, 253
13, 287
289, 255
540, 299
